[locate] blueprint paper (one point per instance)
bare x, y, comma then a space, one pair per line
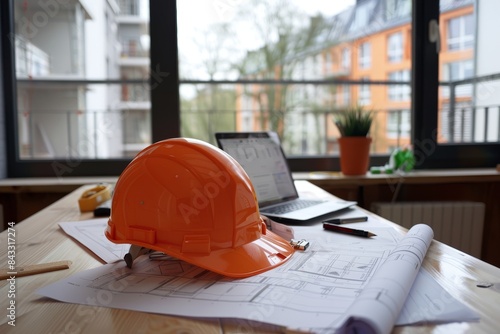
311, 291
377, 307
90, 233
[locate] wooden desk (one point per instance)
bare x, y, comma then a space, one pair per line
40, 240
23, 197
476, 185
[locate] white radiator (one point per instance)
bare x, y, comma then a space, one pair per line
458, 224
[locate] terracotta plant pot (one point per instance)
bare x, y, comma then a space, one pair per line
354, 155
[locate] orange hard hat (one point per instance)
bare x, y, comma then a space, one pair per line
191, 200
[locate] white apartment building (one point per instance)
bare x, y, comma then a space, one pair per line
70, 59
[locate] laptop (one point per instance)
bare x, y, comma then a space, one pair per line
261, 156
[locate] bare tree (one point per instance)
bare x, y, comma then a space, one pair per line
212, 107
285, 34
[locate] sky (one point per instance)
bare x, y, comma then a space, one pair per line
211, 11
196, 16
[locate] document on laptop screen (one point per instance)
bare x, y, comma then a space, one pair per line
265, 164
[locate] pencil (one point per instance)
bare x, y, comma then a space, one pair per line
346, 230
34, 269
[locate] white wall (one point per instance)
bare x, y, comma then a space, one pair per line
103, 128
95, 68
487, 55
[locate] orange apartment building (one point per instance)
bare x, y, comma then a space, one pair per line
380, 51
390, 60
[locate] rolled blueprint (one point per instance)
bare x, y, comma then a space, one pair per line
377, 308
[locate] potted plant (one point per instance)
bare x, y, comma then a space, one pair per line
354, 144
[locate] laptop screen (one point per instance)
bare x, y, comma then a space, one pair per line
261, 156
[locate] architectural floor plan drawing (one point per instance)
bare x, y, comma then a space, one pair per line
298, 282
90, 233
312, 291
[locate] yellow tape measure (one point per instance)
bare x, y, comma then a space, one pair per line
93, 197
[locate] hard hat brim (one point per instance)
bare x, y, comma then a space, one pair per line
265, 253
258, 256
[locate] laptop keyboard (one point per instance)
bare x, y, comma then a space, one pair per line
292, 206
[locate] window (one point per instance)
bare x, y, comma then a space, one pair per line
398, 123
361, 16
395, 47
399, 92
364, 97
456, 71
346, 58
364, 59
66, 105
346, 95
398, 8
328, 63
461, 33
460, 70
457, 131
208, 97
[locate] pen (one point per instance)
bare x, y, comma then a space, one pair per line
346, 220
351, 231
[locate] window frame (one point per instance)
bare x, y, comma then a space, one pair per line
365, 55
165, 110
346, 58
397, 124
463, 39
398, 93
429, 154
395, 47
164, 81
364, 93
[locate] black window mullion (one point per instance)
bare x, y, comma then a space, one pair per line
164, 73
425, 73
8, 82
425, 62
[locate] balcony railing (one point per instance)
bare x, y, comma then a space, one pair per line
129, 7
30, 60
133, 48
470, 111
304, 119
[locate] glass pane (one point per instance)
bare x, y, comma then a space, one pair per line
322, 56
469, 102
82, 78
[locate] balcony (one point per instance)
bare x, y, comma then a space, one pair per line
31, 61
305, 120
130, 13
133, 53
135, 96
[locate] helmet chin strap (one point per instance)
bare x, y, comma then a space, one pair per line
134, 252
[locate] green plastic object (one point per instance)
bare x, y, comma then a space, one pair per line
400, 160
403, 159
